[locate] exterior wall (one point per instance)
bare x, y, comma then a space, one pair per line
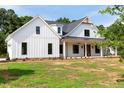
37, 45
79, 31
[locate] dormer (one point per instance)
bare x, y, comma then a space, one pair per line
56, 26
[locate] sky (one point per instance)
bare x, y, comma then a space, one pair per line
73, 12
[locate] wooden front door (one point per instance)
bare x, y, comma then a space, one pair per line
88, 50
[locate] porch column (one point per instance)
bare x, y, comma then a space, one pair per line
101, 51
85, 49
64, 50
116, 51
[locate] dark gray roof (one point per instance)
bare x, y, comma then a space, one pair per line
68, 27
83, 38
51, 22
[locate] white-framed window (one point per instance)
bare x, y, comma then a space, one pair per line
75, 49
97, 49
59, 30
50, 48
86, 32
24, 48
37, 29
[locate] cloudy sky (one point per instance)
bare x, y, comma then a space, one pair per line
73, 12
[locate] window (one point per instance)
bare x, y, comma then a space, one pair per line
37, 29
87, 32
75, 49
59, 30
24, 48
49, 48
61, 49
97, 50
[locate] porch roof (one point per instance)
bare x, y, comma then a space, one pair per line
83, 38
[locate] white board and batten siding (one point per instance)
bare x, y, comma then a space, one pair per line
37, 44
79, 31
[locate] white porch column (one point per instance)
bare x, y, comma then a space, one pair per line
85, 49
64, 50
116, 51
101, 51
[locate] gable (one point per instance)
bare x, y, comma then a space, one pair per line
30, 26
79, 31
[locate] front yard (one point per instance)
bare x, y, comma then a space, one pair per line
74, 73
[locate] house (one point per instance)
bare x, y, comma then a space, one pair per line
39, 38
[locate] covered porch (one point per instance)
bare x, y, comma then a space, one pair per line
78, 47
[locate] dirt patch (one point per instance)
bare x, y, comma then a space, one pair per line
107, 83
73, 76
60, 63
7, 76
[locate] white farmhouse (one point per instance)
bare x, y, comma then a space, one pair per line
48, 39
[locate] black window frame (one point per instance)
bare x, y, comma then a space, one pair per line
97, 49
61, 49
50, 48
24, 48
87, 32
75, 49
59, 30
37, 30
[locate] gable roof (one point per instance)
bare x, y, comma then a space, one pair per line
9, 36
69, 27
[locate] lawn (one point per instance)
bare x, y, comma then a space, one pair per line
76, 73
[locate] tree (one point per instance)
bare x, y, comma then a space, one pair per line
25, 19
114, 10
2, 43
63, 20
114, 34
101, 30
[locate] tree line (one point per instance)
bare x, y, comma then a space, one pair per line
114, 34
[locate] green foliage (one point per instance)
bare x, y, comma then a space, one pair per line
114, 10
63, 20
114, 34
2, 43
25, 19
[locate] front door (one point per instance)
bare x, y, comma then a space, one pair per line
88, 50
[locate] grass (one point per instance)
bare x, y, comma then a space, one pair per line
74, 73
